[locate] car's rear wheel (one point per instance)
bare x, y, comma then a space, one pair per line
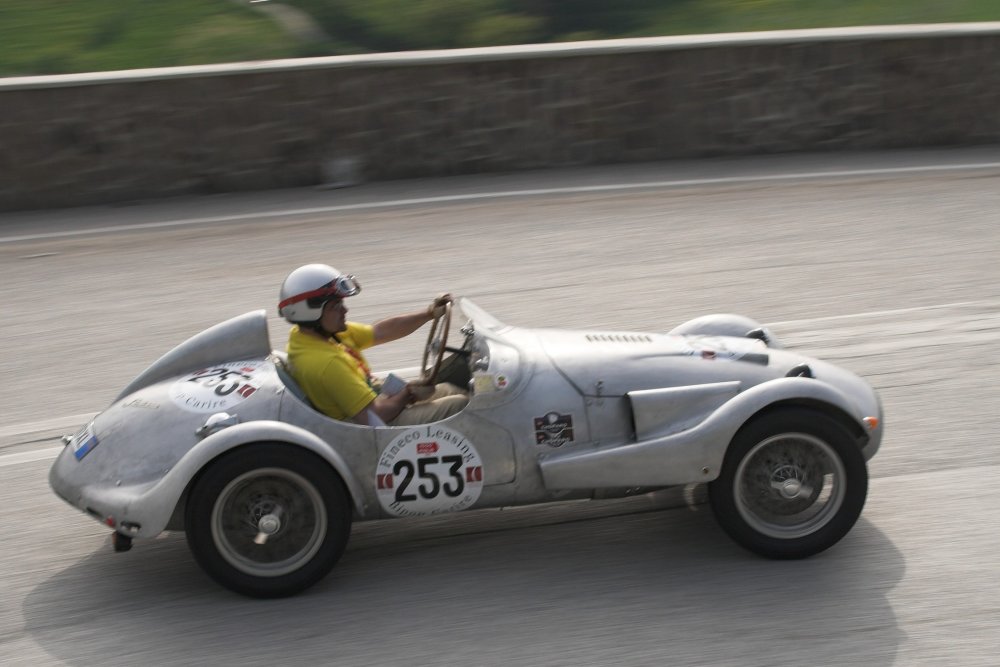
793, 483
268, 520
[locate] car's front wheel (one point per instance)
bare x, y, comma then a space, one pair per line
793, 483
268, 520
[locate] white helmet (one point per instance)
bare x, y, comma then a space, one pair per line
308, 287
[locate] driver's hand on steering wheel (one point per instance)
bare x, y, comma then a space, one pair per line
436, 309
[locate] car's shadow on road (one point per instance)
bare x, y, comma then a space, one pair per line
630, 583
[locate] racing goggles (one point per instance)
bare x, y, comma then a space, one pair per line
343, 286
338, 288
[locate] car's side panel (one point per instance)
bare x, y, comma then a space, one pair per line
548, 415
693, 455
353, 443
440, 467
658, 412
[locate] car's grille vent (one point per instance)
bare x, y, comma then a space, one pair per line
618, 338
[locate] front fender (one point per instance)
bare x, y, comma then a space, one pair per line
692, 455
144, 511
725, 324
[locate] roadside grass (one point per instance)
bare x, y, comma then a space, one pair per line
719, 16
63, 36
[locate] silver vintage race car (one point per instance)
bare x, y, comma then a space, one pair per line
217, 440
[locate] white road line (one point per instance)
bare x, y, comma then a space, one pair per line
72, 422
29, 457
881, 313
396, 203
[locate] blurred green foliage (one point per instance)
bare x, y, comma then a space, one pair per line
57, 36
753, 15
61, 36
394, 25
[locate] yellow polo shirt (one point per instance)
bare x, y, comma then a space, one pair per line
333, 373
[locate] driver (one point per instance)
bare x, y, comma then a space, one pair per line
324, 353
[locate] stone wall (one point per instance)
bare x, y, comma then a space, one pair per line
94, 138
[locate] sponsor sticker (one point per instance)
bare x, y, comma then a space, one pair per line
483, 384
554, 429
218, 388
716, 349
488, 383
712, 348
84, 442
427, 470
140, 403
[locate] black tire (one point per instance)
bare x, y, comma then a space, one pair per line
793, 483
268, 520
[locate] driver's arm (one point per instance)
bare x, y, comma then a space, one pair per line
386, 407
394, 328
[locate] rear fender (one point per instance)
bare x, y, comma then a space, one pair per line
155, 505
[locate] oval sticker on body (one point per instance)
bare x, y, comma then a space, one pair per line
428, 470
217, 388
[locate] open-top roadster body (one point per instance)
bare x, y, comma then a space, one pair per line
216, 439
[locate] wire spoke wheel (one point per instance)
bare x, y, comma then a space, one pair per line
792, 484
789, 485
268, 519
268, 522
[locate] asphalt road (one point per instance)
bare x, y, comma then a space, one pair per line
888, 264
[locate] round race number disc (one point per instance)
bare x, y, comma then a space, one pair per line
428, 470
218, 388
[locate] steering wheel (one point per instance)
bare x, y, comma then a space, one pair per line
434, 351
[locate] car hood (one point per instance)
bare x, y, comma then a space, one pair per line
612, 363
